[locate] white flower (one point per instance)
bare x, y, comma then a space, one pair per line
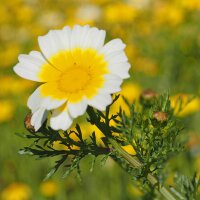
76, 69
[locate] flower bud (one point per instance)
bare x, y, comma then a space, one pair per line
27, 123
148, 96
160, 116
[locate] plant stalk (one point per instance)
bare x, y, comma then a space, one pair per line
137, 164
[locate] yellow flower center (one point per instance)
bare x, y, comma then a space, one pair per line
70, 76
73, 74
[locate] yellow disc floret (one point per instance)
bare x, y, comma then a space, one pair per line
73, 74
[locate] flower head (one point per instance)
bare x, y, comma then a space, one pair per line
76, 69
16, 191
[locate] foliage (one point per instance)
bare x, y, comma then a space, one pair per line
150, 128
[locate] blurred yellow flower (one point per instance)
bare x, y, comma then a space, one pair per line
167, 14
24, 14
15, 85
184, 104
189, 4
7, 110
8, 55
4, 14
49, 188
119, 13
131, 92
16, 191
131, 51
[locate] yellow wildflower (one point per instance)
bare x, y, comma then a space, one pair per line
15, 85
9, 54
184, 104
119, 12
7, 110
16, 191
168, 15
49, 188
190, 5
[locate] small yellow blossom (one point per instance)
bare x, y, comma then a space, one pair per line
132, 51
7, 110
4, 14
184, 104
119, 12
168, 14
49, 188
16, 191
15, 85
9, 54
24, 14
189, 4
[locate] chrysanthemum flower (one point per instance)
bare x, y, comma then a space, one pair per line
76, 70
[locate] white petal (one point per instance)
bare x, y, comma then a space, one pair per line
38, 118
78, 35
77, 109
94, 38
112, 46
55, 41
112, 84
60, 120
25, 73
29, 65
116, 57
100, 101
37, 101
120, 69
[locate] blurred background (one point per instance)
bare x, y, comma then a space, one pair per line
163, 46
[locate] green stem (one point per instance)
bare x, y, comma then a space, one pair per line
135, 163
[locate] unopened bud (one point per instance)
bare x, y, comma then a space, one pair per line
27, 123
148, 96
160, 116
